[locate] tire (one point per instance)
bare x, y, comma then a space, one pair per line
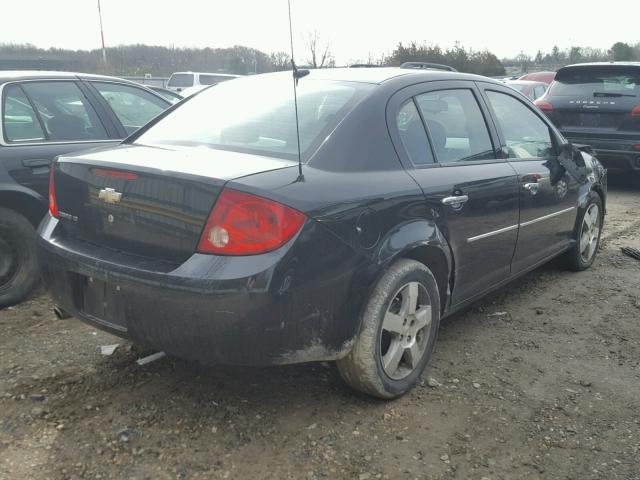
577, 258
388, 326
18, 259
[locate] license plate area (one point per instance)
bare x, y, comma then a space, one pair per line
101, 301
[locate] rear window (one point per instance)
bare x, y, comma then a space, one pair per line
587, 81
181, 80
257, 115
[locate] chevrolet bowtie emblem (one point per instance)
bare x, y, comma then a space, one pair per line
109, 195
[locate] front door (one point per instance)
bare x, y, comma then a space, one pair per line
548, 193
449, 148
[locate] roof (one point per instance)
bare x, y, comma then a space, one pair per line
383, 74
37, 74
524, 82
208, 73
603, 64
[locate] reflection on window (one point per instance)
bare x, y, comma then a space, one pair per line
19, 121
413, 135
526, 135
456, 125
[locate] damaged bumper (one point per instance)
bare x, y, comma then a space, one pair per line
259, 310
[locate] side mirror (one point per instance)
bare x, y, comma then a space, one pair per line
571, 159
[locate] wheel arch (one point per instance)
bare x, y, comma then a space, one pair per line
25, 202
423, 242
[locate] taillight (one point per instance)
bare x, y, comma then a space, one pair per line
245, 224
546, 107
635, 113
53, 202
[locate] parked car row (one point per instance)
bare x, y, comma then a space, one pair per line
236, 229
45, 114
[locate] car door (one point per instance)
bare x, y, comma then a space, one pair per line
447, 145
131, 106
42, 119
548, 193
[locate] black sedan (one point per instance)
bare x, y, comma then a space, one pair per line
417, 193
45, 114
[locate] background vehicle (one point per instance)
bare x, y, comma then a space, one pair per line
167, 94
421, 191
599, 104
544, 77
531, 90
188, 83
45, 114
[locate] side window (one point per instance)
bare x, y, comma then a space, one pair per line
65, 112
133, 106
414, 138
456, 125
526, 135
19, 120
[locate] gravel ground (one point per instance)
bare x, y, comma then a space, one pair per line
539, 381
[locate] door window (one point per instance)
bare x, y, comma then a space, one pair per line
526, 135
65, 112
19, 120
456, 125
414, 137
133, 106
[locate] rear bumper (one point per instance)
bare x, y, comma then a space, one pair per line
616, 154
266, 309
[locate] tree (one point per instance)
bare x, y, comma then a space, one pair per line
622, 52
539, 58
320, 55
575, 54
280, 61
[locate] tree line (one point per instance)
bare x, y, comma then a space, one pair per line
557, 57
137, 60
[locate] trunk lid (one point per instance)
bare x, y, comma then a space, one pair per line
147, 201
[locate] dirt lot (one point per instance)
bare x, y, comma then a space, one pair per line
540, 381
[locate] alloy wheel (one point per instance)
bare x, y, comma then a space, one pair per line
406, 329
590, 233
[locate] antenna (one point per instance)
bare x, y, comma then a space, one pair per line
297, 75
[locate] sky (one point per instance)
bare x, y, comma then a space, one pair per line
354, 29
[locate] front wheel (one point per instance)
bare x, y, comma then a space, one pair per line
588, 231
398, 332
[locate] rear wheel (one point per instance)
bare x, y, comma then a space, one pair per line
588, 229
18, 261
398, 332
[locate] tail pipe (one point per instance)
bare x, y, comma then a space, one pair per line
60, 313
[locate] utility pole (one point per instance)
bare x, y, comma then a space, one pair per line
104, 50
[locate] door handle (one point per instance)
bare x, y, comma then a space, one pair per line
36, 163
455, 201
532, 187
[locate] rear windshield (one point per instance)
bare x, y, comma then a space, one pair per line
590, 81
181, 80
257, 115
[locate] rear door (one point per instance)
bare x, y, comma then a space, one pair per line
548, 193
43, 119
448, 147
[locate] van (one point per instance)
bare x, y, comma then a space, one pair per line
188, 83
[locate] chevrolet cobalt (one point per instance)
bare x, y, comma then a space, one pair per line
217, 233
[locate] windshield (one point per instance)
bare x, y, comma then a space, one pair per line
257, 115
181, 80
600, 81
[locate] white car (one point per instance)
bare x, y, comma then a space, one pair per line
188, 83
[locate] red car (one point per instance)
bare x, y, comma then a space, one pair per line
544, 77
530, 89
